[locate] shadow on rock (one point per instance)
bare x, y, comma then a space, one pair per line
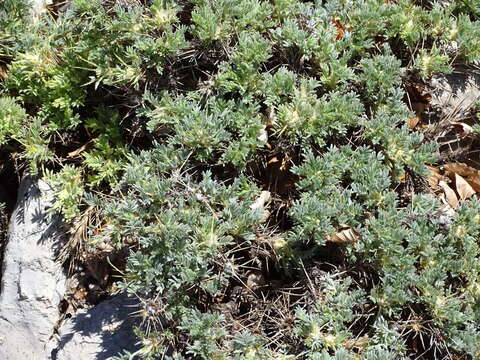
101, 332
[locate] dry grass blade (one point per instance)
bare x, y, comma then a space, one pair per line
77, 152
73, 249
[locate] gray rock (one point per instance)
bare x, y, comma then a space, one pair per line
99, 333
33, 283
456, 93
39, 7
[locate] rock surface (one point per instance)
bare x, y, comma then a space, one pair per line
39, 7
100, 332
456, 93
33, 283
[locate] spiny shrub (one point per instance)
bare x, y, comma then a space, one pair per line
253, 158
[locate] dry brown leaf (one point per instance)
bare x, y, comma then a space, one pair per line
462, 128
450, 195
433, 169
434, 177
465, 129
412, 122
344, 236
471, 175
475, 184
461, 169
273, 160
464, 189
340, 28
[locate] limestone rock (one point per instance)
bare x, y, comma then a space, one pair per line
455, 93
99, 333
39, 7
33, 283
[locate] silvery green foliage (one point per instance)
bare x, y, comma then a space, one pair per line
165, 109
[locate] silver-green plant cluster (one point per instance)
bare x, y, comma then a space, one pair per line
170, 118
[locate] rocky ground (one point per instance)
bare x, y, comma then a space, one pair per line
33, 319
49, 310
45, 309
